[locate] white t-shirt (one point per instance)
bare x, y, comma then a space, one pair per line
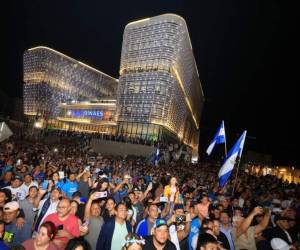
26, 188
241, 202
173, 236
51, 209
17, 193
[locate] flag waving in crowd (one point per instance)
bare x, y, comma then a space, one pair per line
228, 165
218, 139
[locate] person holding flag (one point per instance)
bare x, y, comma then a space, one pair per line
218, 139
155, 157
230, 161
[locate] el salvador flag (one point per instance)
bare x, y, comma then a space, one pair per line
218, 139
230, 161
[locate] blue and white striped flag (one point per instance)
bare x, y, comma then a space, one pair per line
156, 157
230, 161
218, 139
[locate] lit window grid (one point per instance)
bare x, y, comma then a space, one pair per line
43, 65
51, 77
160, 44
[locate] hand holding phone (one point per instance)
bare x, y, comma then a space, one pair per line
180, 219
61, 174
163, 199
99, 195
85, 224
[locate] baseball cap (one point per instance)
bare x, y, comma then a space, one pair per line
276, 210
178, 206
160, 222
279, 244
55, 188
136, 189
11, 206
76, 194
104, 179
17, 177
279, 217
276, 201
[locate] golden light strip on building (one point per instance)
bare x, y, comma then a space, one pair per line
86, 105
185, 95
86, 121
71, 59
138, 21
77, 120
30, 113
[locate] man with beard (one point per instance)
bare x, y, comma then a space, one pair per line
159, 239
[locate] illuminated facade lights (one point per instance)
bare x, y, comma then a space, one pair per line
51, 77
158, 95
159, 82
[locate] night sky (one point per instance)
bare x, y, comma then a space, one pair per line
244, 52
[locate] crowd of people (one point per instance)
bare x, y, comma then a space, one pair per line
68, 197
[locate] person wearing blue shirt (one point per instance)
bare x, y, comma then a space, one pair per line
121, 190
194, 232
70, 186
6, 179
13, 235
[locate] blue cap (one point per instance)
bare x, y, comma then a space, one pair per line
83, 199
160, 222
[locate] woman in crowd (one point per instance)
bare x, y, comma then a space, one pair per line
202, 208
55, 178
171, 191
83, 228
43, 240
109, 210
133, 242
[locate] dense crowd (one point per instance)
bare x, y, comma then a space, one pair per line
68, 197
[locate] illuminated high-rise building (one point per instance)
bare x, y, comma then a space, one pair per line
159, 91
158, 95
51, 77
68, 94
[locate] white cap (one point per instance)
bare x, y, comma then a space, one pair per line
276, 201
11, 206
276, 210
279, 244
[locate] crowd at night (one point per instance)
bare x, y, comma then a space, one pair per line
65, 196
108, 117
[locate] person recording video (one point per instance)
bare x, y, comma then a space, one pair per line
179, 226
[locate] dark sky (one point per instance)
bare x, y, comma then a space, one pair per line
245, 52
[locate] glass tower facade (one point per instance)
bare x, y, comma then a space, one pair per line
159, 87
51, 77
158, 95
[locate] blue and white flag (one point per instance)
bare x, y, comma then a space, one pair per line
156, 157
218, 139
228, 165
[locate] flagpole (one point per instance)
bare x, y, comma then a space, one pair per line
225, 148
236, 175
225, 145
